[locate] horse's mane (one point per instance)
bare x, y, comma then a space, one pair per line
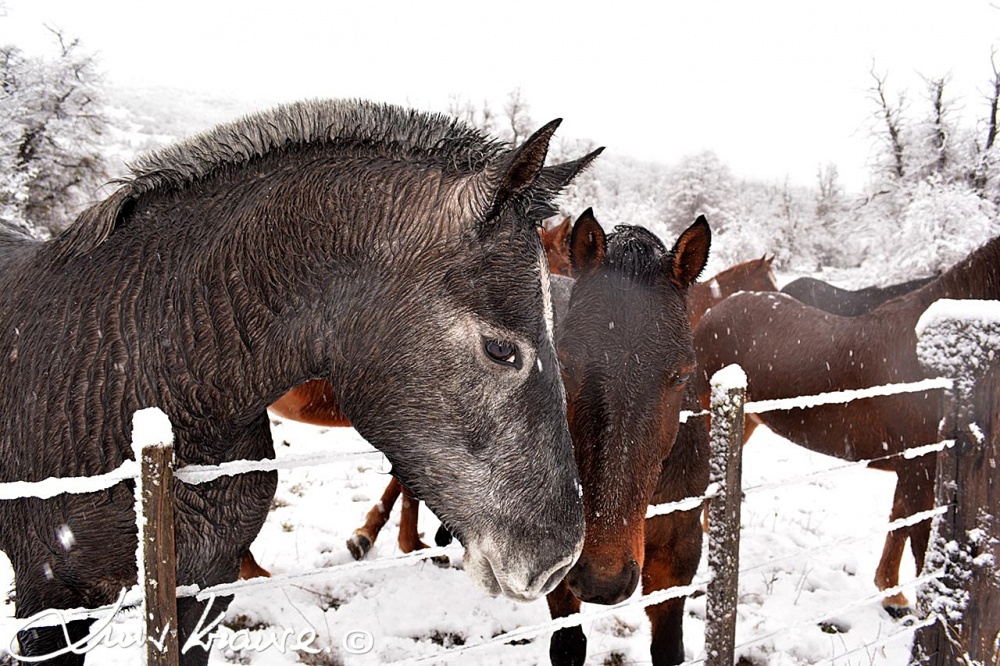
354, 124
634, 252
976, 276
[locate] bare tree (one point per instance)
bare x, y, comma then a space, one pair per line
891, 116
985, 160
938, 132
518, 117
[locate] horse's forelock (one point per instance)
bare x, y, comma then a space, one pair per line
634, 252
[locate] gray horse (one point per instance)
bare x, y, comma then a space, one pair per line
390, 252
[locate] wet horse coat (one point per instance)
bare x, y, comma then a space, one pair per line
388, 252
625, 347
790, 349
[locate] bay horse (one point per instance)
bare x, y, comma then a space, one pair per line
753, 275
789, 349
845, 302
626, 351
389, 252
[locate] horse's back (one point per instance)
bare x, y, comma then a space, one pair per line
789, 349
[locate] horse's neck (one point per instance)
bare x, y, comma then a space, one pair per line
975, 277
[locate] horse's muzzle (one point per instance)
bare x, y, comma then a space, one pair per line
589, 586
521, 576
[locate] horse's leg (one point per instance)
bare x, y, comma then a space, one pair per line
250, 569
923, 473
673, 549
443, 536
42, 641
568, 647
409, 538
196, 628
38, 642
887, 572
914, 494
364, 537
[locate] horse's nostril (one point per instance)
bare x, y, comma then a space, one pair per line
591, 588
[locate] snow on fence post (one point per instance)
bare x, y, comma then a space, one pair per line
961, 339
728, 395
152, 443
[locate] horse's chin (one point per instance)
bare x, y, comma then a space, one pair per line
517, 581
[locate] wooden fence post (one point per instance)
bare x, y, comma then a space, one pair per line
965, 541
728, 395
152, 442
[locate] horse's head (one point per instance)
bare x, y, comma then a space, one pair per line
625, 348
451, 370
759, 275
555, 240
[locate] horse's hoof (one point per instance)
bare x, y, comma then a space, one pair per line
443, 537
568, 647
359, 545
442, 561
898, 612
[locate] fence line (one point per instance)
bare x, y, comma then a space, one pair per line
194, 474
907, 454
849, 395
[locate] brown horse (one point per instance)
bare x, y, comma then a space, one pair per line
555, 240
753, 275
625, 347
790, 349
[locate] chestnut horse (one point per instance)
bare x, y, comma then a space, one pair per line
625, 347
790, 349
753, 275
845, 302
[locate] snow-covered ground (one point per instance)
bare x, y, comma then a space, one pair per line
802, 600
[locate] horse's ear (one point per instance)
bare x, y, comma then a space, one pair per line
687, 259
518, 170
587, 244
556, 177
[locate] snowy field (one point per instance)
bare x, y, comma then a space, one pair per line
802, 600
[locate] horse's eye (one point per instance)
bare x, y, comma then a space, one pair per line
502, 352
679, 379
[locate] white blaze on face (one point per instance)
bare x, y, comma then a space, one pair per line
543, 271
716, 289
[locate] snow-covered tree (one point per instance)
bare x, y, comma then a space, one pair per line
51, 130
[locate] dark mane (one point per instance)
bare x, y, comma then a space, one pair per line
391, 130
976, 276
634, 252
354, 125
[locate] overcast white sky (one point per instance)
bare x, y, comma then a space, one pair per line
775, 88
